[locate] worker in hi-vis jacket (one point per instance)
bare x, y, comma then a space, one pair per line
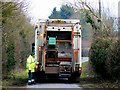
31, 64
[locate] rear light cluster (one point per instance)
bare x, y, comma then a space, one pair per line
36, 26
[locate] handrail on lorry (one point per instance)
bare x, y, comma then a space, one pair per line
67, 21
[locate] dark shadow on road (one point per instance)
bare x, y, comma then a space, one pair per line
56, 80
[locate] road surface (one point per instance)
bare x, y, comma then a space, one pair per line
54, 83
85, 59
60, 85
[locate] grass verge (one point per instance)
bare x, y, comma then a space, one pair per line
15, 79
84, 70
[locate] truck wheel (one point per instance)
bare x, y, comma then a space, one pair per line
77, 79
40, 76
69, 80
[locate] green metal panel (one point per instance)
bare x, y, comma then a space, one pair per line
52, 41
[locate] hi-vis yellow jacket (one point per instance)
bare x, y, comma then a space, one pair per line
31, 64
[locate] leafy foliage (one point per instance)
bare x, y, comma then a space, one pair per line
65, 12
98, 56
11, 58
105, 58
17, 36
113, 60
55, 14
91, 21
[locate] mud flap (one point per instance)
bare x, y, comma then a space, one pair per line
40, 76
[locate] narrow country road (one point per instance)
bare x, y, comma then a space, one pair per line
54, 83
85, 59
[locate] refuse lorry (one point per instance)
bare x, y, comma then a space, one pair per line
58, 48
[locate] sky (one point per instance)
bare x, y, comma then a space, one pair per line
41, 9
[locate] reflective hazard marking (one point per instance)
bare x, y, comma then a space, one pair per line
41, 35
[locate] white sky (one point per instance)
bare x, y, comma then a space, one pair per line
41, 9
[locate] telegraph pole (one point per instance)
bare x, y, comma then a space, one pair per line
100, 14
119, 20
100, 8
